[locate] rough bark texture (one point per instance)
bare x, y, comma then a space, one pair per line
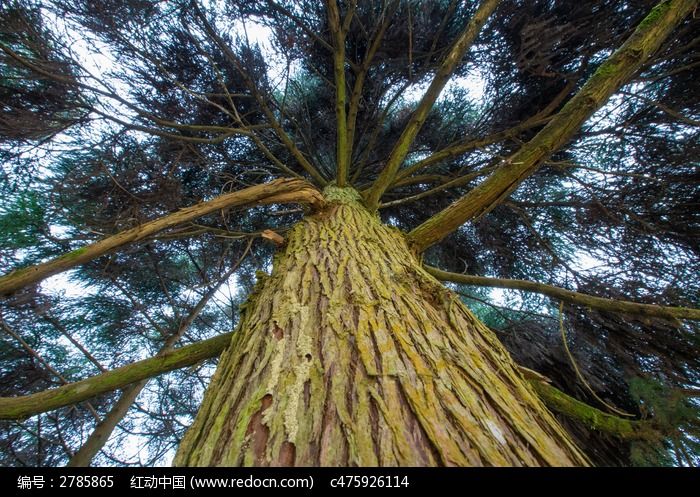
349, 353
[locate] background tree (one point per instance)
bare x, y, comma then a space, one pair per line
553, 142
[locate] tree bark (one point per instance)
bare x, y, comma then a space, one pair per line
350, 353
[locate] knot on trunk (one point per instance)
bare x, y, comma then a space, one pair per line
340, 195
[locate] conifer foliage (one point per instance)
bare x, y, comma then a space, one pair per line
154, 155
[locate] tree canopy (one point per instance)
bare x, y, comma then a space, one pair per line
555, 142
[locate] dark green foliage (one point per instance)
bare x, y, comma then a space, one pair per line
675, 414
21, 223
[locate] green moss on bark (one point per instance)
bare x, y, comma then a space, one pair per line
593, 418
351, 354
655, 14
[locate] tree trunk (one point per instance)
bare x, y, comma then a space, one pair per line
350, 353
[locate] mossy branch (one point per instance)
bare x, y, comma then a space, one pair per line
29, 405
278, 191
338, 36
600, 303
103, 430
593, 418
617, 70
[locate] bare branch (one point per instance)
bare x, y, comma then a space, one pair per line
601, 303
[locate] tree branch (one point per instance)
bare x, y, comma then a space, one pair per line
354, 105
63, 331
28, 348
83, 457
448, 66
278, 191
671, 112
600, 303
617, 70
458, 181
593, 418
29, 405
341, 149
463, 146
300, 23
197, 128
274, 123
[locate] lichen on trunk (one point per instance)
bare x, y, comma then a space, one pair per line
349, 353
